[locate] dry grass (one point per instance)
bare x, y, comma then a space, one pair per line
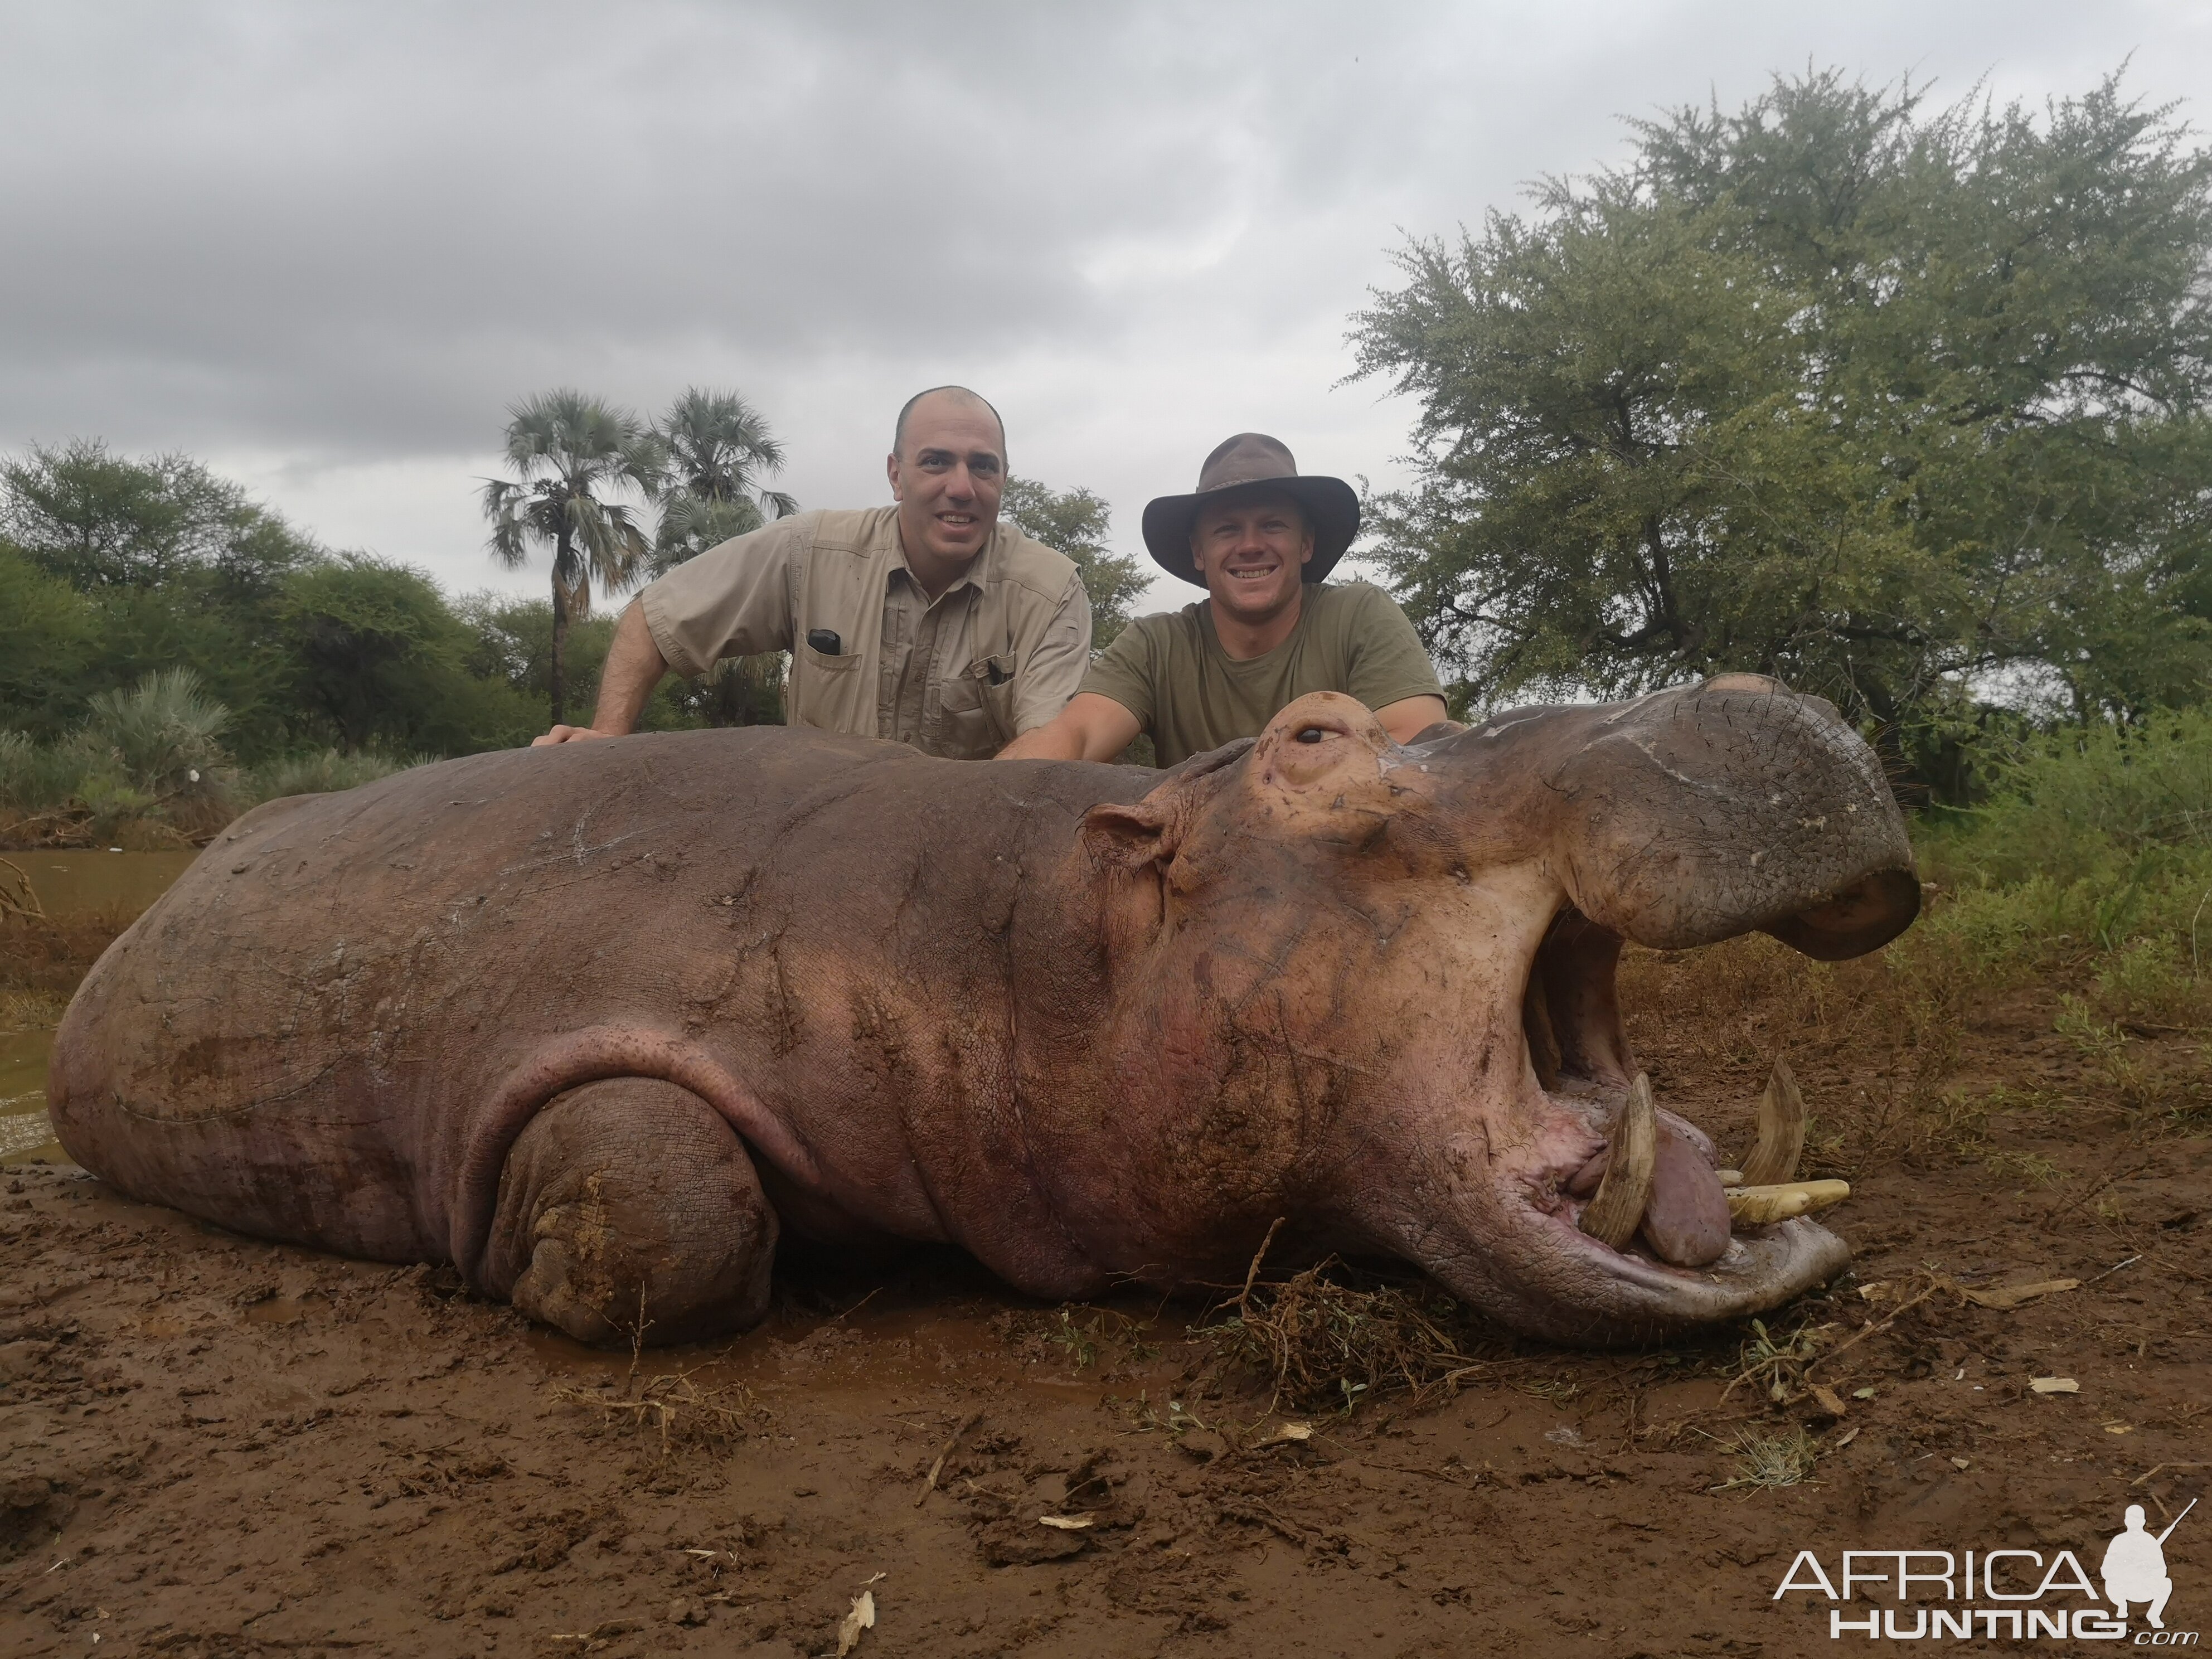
1765, 1457
46, 956
674, 1407
1334, 1338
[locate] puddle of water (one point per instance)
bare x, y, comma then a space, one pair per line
71, 883
24, 1131
67, 884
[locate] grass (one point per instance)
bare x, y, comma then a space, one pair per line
1768, 1457
148, 770
1332, 1338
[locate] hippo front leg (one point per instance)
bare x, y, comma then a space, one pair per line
632, 1201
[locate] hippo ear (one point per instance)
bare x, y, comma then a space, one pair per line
1130, 835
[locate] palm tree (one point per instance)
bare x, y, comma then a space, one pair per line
719, 447
571, 453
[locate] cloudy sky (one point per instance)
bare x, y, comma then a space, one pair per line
323, 247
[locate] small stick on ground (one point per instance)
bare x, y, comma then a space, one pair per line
1252, 1273
938, 1468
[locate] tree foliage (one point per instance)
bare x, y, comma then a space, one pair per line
1074, 522
719, 451
573, 456
1906, 405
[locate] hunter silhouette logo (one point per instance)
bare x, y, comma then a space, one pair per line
2135, 1567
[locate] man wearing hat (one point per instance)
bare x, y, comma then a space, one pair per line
1260, 538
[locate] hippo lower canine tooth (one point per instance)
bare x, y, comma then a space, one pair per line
1780, 1132
1617, 1210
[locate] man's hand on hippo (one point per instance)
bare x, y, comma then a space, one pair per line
571, 734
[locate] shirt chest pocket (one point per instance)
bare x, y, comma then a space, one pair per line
829, 692
978, 707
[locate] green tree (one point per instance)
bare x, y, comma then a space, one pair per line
100, 520
572, 455
50, 637
1900, 405
1074, 522
378, 652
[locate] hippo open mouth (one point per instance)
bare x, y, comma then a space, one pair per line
1641, 1194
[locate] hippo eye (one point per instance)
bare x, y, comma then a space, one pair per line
1312, 734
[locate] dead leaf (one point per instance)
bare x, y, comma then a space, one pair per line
2002, 1296
2119, 1428
1067, 1523
1294, 1431
862, 1617
1861, 1393
1877, 1291
1824, 1398
1845, 1439
2054, 1385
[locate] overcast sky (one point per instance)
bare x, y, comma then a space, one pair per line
324, 246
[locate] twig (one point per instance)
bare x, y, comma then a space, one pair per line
1903, 1309
9, 901
2109, 1270
856, 1306
2161, 1467
1252, 1273
938, 1468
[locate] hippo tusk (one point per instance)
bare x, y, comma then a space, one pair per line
1753, 1207
1618, 1209
1780, 1132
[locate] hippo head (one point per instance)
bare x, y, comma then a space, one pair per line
1380, 981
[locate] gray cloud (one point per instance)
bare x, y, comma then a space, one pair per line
325, 246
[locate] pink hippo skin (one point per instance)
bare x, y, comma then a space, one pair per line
595, 1022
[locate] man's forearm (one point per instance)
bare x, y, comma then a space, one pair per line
634, 666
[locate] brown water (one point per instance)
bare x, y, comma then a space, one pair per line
65, 884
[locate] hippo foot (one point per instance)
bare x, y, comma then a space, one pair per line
628, 1209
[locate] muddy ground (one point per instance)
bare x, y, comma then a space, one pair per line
211, 1445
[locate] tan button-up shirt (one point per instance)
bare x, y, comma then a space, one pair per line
1000, 651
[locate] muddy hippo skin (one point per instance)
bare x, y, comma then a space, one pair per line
595, 1022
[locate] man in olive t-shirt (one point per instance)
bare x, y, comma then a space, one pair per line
1259, 536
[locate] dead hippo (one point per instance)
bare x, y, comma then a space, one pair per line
596, 1023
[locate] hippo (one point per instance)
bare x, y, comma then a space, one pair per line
597, 1023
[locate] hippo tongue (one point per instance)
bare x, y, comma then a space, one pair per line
1685, 1220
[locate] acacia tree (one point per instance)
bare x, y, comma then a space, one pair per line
1074, 522
1898, 404
572, 455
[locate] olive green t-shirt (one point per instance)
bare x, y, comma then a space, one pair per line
1170, 671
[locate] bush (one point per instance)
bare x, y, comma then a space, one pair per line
319, 774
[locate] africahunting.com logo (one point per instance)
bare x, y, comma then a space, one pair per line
1941, 1593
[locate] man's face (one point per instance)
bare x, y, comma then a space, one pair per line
947, 478
1252, 552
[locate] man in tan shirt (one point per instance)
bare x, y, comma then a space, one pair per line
929, 623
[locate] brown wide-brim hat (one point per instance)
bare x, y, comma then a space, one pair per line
1247, 464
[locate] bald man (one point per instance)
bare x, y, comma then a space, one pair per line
928, 622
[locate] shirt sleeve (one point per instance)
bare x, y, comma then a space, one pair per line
732, 600
1125, 672
1054, 667
1388, 663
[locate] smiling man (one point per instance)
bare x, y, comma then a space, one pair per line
928, 622
1258, 537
